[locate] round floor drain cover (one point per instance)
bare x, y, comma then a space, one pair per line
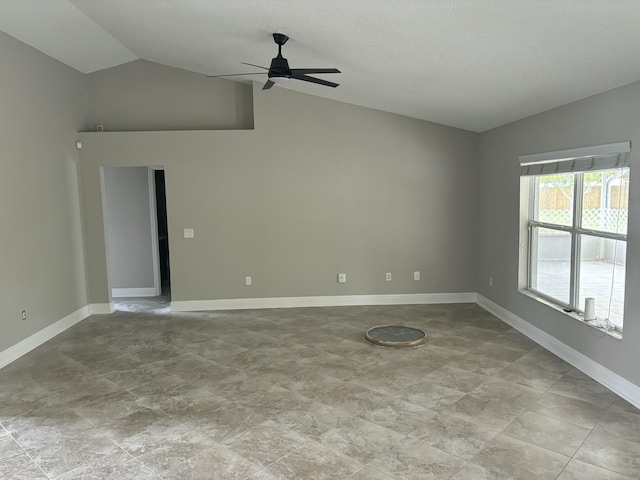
398, 336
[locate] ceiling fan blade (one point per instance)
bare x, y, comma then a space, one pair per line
304, 71
235, 74
268, 85
319, 81
252, 65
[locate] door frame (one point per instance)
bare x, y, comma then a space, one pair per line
155, 242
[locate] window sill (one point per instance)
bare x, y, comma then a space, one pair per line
572, 314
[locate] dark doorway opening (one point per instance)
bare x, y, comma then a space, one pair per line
163, 233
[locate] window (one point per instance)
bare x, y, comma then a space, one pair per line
574, 210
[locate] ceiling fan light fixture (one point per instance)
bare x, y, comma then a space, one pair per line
279, 79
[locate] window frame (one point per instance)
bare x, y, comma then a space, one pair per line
575, 230
535, 166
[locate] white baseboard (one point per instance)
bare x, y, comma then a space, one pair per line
102, 308
134, 292
627, 390
25, 346
324, 301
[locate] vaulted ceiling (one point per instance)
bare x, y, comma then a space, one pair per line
472, 64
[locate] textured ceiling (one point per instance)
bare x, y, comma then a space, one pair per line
472, 64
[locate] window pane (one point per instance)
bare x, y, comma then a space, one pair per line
551, 263
602, 271
606, 200
555, 199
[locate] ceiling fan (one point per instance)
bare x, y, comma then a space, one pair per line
279, 70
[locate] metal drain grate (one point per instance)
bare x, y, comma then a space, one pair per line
398, 336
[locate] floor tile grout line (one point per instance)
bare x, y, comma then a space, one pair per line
593, 431
534, 444
24, 451
582, 444
37, 464
587, 461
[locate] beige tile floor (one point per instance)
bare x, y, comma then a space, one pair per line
295, 394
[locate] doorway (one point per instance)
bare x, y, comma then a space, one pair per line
163, 233
136, 231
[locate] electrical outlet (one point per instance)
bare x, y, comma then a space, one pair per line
416, 275
342, 278
491, 281
388, 277
188, 233
24, 314
247, 280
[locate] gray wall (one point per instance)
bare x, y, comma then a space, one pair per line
147, 96
318, 188
605, 118
42, 104
128, 223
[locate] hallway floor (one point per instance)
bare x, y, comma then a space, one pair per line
296, 394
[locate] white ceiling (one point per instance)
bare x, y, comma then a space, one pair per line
472, 64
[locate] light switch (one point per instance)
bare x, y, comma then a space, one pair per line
188, 233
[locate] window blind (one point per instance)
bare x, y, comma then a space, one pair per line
584, 159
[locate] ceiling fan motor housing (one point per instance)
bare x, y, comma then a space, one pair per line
279, 66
